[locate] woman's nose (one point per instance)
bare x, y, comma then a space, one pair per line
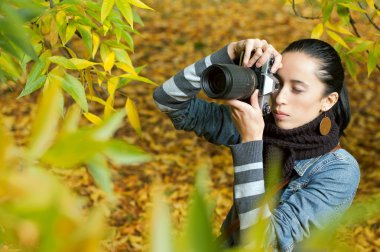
280, 96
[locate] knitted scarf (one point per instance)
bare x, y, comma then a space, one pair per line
303, 142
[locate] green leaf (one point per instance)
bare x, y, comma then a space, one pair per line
62, 61
7, 63
161, 228
122, 153
105, 130
126, 10
337, 38
136, 18
73, 149
70, 31
327, 10
361, 47
372, 61
137, 78
85, 32
352, 6
351, 68
97, 167
199, 229
76, 90
33, 85
12, 27
106, 9
74, 63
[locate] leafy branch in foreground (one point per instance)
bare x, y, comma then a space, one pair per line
339, 20
37, 212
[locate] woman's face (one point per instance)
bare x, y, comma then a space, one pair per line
300, 97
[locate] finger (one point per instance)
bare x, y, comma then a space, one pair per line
267, 53
258, 53
254, 99
249, 46
277, 62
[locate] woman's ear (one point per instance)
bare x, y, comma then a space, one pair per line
329, 101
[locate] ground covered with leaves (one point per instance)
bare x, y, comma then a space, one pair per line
175, 35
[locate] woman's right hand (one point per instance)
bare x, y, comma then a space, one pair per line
262, 53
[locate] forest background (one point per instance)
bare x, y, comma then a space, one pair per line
174, 35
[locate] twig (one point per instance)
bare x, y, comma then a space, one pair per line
352, 23
369, 18
300, 15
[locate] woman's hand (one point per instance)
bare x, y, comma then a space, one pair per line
262, 53
248, 118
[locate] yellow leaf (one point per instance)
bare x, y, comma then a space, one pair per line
100, 101
139, 4
133, 116
82, 63
106, 9
95, 43
93, 118
127, 68
337, 38
108, 108
70, 31
126, 10
317, 31
109, 61
112, 85
371, 3
137, 78
46, 121
338, 28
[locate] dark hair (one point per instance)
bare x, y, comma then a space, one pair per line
331, 73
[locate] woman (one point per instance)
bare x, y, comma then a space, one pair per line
310, 113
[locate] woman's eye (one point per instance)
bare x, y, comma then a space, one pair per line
297, 90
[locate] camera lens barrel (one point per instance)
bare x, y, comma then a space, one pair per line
228, 81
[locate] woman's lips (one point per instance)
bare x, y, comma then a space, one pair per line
279, 115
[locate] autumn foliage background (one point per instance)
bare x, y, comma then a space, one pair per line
174, 35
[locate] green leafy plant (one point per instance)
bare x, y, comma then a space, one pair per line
84, 45
350, 24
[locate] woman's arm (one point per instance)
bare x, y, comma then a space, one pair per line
177, 98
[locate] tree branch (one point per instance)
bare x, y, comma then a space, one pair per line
51, 4
369, 18
300, 15
352, 23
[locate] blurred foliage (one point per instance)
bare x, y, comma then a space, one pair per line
37, 212
198, 235
85, 45
353, 25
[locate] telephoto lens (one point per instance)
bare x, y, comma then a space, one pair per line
228, 81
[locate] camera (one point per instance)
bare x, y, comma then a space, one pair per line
231, 81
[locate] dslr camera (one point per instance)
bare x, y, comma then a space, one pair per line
232, 81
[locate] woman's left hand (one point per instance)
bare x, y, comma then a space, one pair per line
248, 118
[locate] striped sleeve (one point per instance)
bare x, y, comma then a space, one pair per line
249, 183
176, 93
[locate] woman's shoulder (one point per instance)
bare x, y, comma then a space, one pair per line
340, 162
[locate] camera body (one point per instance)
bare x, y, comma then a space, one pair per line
231, 81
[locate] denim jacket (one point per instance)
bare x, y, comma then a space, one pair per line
322, 189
